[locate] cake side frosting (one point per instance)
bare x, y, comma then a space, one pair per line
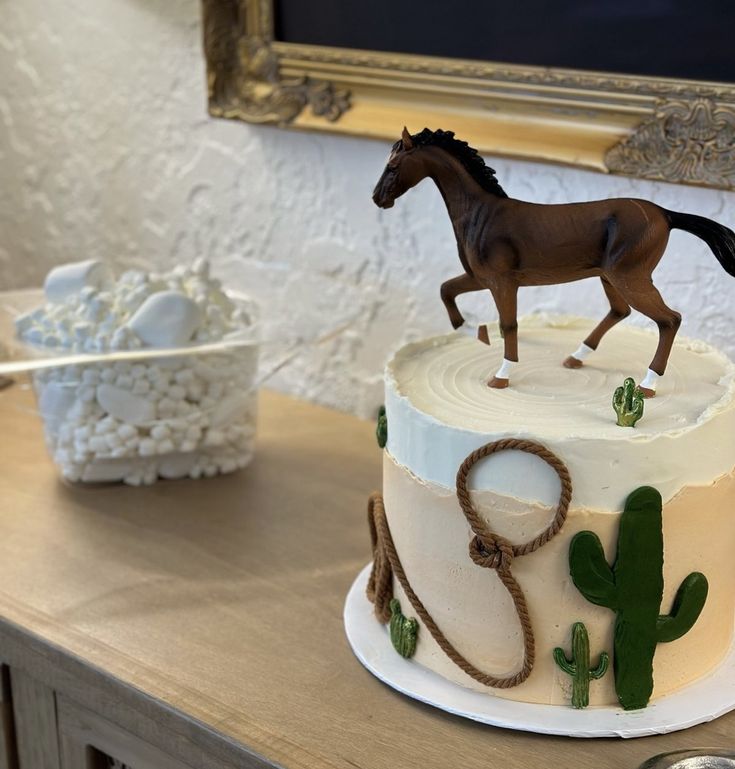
475, 612
440, 409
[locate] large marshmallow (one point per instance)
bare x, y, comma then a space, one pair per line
166, 319
54, 403
69, 279
125, 406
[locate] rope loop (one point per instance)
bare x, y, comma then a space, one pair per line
478, 525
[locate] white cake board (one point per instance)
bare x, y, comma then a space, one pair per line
701, 701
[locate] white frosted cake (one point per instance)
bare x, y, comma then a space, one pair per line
439, 410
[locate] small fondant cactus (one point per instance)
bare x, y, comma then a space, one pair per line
633, 589
628, 403
381, 430
578, 667
403, 631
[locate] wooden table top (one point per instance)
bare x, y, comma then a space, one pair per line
220, 602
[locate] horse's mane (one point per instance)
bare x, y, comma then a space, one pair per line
468, 156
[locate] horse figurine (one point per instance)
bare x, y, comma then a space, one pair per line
505, 243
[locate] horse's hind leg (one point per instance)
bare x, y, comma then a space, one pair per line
619, 309
648, 301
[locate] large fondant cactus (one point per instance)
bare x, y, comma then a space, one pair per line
578, 667
633, 589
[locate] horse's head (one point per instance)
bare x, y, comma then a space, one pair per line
402, 172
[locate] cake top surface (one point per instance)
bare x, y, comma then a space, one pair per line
445, 377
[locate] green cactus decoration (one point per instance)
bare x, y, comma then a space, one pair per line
633, 589
403, 631
381, 430
628, 403
578, 667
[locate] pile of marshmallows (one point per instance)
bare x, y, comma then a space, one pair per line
138, 420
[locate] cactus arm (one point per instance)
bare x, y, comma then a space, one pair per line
618, 400
688, 605
638, 405
566, 665
590, 572
602, 666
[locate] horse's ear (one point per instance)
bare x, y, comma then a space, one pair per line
406, 139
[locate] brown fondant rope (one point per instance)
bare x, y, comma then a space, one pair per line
487, 549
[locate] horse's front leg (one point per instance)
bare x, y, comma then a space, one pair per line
506, 299
450, 290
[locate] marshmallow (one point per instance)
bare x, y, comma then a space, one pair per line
68, 279
166, 319
125, 406
176, 465
106, 471
228, 409
54, 403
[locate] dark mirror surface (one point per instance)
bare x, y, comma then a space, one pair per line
663, 38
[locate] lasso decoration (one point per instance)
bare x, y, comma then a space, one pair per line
487, 549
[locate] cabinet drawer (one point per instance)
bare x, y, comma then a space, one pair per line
88, 741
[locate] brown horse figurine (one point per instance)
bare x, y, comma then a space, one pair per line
505, 243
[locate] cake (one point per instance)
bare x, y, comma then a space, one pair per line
603, 504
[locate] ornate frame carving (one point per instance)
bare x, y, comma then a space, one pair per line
655, 128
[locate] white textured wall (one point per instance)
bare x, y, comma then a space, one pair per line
106, 150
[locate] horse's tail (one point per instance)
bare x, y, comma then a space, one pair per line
719, 238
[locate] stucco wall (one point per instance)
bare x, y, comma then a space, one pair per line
106, 150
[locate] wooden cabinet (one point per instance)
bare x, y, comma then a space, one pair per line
47, 730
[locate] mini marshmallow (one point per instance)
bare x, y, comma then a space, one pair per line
159, 432
141, 386
147, 447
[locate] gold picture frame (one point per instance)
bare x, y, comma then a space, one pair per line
669, 130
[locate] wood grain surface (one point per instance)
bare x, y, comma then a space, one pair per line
206, 616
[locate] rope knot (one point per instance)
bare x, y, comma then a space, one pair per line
491, 553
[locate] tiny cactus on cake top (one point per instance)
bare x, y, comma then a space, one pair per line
628, 402
381, 429
403, 630
578, 667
